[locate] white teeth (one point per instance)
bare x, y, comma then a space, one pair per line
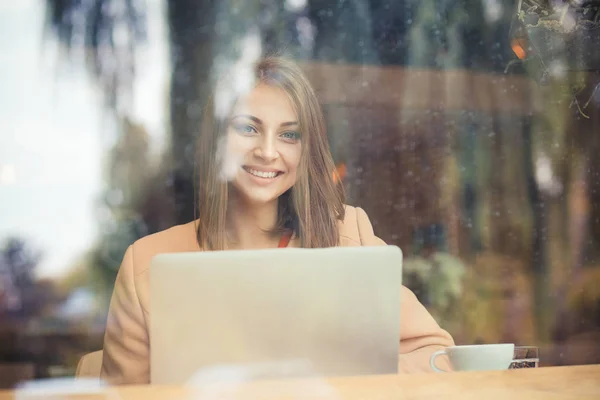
262, 174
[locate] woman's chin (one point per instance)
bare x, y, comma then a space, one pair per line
256, 197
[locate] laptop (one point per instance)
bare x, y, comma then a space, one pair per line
264, 314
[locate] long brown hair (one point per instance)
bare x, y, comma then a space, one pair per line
313, 206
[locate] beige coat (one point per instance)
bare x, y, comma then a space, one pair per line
126, 357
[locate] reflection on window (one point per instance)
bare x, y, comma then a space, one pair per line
466, 129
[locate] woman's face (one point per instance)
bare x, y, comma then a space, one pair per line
263, 145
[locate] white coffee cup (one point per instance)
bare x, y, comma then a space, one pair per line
484, 357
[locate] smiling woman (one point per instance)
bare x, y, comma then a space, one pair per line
262, 136
262, 145
265, 180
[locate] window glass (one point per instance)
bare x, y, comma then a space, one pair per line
466, 129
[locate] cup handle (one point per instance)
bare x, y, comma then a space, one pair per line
432, 360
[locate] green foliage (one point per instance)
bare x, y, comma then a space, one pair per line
442, 276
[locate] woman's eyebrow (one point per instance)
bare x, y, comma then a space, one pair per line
260, 122
250, 117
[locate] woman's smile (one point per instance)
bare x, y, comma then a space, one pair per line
262, 173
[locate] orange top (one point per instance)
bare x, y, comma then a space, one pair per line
285, 239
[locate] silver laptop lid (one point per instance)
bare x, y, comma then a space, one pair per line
333, 311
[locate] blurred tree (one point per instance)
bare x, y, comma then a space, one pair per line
18, 262
129, 171
106, 33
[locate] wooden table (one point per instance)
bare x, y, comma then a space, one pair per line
578, 382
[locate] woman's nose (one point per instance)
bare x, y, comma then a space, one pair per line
267, 149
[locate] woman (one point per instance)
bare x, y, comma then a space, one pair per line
264, 181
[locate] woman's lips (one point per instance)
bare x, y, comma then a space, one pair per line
261, 173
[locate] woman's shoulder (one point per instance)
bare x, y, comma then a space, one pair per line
183, 235
356, 229
179, 238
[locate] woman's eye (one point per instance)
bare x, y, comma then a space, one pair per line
245, 129
291, 135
